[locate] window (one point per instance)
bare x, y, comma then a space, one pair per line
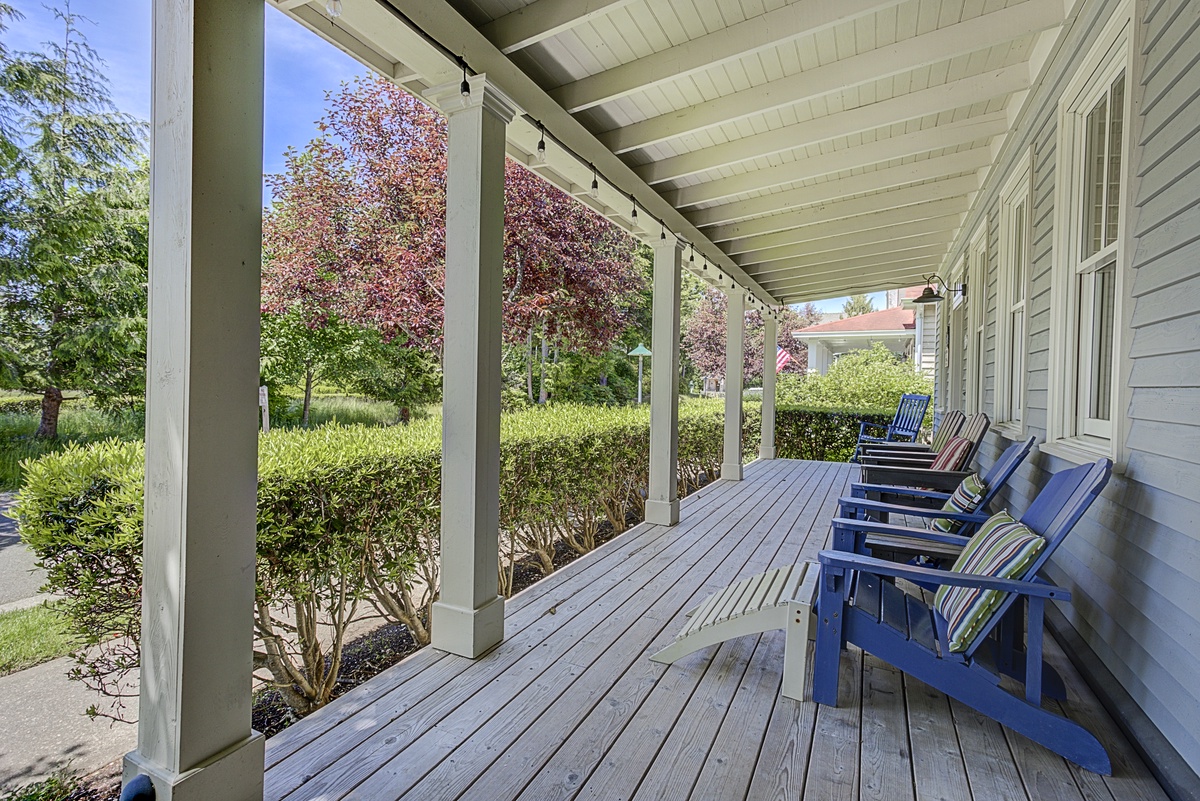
1015, 227
1090, 245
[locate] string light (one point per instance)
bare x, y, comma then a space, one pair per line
662, 231
333, 8
633, 215
465, 86
692, 257
541, 148
594, 191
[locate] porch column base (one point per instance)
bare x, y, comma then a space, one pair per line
468, 632
235, 774
766, 452
662, 513
731, 472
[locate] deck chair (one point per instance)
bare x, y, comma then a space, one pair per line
952, 421
905, 425
943, 474
873, 504
972, 430
856, 603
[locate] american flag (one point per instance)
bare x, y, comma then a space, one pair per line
782, 357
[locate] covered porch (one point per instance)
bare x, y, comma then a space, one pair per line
570, 706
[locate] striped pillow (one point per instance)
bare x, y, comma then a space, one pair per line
953, 455
965, 499
1002, 548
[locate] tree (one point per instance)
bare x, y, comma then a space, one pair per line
704, 336
860, 379
73, 241
856, 305
357, 232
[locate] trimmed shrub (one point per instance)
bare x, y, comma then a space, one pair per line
822, 434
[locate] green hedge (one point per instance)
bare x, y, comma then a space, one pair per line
350, 515
820, 434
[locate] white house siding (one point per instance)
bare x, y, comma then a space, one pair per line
1134, 562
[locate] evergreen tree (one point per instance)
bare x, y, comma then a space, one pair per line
856, 305
73, 235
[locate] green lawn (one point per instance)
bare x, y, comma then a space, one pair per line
31, 636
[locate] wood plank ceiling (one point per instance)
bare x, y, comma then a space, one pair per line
808, 149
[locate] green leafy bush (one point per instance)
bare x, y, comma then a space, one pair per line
822, 434
347, 515
861, 379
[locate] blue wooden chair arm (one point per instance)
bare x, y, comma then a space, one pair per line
835, 560
897, 459
947, 480
844, 524
860, 490
867, 505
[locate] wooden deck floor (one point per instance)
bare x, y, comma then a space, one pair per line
570, 707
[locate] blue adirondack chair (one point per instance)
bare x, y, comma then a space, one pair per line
952, 422
856, 603
905, 425
908, 454
877, 502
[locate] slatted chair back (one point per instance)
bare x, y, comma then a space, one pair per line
952, 422
1053, 513
973, 429
910, 414
1002, 469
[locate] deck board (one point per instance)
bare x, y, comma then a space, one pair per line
569, 706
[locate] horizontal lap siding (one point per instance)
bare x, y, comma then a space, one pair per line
1133, 563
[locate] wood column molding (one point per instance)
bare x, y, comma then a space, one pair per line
735, 357
662, 504
766, 449
194, 735
468, 619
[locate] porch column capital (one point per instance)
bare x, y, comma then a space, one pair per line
450, 99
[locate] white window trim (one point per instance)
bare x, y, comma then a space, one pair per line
1019, 188
1111, 53
956, 325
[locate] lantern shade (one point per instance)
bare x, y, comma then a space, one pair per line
928, 295
640, 350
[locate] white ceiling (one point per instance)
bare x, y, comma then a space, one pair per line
809, 149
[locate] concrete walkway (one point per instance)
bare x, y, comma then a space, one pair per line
19, 577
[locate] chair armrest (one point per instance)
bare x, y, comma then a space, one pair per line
916, 511
873, 457
946, 480
874, 527
900, 448
892, 489
882, 567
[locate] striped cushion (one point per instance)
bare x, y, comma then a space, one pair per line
965, 499
1002, 548
953, 455
951, 422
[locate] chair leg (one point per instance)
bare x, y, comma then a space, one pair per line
830, 614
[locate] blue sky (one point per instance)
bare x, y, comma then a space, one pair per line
300, 69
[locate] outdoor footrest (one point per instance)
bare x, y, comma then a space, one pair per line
781, 598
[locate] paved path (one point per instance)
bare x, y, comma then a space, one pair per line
19, 578
43, 725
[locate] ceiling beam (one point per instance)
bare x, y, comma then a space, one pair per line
863, 266
828, 200
727, 44
939, 230
878, 216
877, 282
543, 19
898, 109
987, 30
951, 135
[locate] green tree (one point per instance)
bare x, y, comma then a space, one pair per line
861, 379
856, 305
73, 238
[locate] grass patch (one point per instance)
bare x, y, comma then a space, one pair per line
58, 787
32, 636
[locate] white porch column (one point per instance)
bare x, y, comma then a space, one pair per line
735, 357
662, 505
469, 618
766, 449
194, 736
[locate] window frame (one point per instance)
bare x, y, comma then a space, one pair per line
1069, 434
976, 319
1013, 299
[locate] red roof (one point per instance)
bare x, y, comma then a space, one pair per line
897, 319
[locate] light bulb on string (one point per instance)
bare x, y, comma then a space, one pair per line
541, 145
633, 214
465, 86
662, 231
594, 191
333, 8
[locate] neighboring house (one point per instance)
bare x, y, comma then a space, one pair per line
906, 329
